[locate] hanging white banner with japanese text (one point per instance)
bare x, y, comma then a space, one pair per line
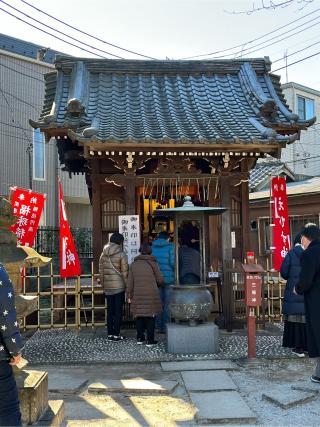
129, 227
27, 206
280, 221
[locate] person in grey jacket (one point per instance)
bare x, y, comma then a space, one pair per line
113, 271
10, 353
294, 334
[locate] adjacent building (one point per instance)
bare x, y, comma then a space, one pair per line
25, 159
303, 157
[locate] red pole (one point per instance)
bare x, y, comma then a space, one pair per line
251, 331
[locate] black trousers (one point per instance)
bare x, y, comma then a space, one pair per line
145, 323
114, 312
9, 402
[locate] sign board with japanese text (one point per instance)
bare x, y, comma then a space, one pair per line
27, 206
280, 221
253, 290
129, 227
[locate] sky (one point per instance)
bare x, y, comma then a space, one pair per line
176, 29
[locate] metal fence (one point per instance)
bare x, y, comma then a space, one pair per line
47, 241
79, 302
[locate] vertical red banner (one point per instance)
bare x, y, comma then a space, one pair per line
280, 221
27, 206
69, 260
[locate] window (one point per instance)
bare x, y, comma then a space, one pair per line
38, 155
305, 108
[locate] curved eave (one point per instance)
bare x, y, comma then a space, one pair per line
74, 136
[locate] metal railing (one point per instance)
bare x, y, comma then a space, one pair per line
47, 241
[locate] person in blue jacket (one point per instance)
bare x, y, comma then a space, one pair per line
163, 251
10, 353
294, 335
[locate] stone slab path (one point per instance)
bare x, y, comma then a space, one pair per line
222, 407
133, 386
199, 365
212, 391
286, 401
208, 381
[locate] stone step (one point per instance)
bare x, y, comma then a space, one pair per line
288, 399
208, 381
54, 415
133, 386
60, 382
199, 365
221, 407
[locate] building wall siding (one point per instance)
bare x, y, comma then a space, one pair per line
303, 156
21, 96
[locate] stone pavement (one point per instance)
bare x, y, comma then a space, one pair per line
88, 345
187, 393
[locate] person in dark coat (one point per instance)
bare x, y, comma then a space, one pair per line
189, 264
143, 293
10, 353
294, 335
309, 286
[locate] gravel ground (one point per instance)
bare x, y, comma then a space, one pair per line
278, 375
63, 346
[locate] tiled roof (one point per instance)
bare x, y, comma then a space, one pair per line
307, 187
260, 175
225, 101
24, 48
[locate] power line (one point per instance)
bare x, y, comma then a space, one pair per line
250, 41
13, 126
297, 51
34, 106
53, 35
260, 46
296, 62
20, 72
45, 64
83, 32
60, 32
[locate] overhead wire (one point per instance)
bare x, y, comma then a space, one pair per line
53, 35
84, 32
59, 32
250, 41
20, 72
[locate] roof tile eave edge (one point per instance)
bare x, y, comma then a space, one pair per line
252, 142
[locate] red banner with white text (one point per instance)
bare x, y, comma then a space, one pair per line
69, 260
27, 206
280, 221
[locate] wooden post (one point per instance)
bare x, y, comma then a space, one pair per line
96, 213
130, 195
226, 250
245, 218
214, 250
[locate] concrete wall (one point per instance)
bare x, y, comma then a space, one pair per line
21, 97
303, 156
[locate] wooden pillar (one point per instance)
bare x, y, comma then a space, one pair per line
227, 298
96, 213
130, 195
245, 218
214, 249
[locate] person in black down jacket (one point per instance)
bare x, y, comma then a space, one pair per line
309, 286
10, 348
294, 335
